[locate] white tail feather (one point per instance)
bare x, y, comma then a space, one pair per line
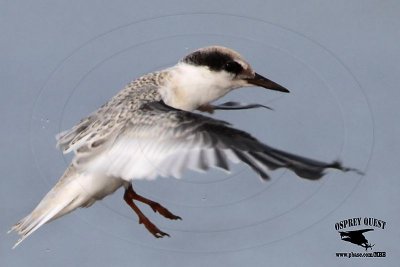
67, 195
72, 191
54, 204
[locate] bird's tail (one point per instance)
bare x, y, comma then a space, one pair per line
67, 195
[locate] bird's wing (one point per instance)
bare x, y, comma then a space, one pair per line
92, 131
364, 230
160, 140
231, 105
101, 127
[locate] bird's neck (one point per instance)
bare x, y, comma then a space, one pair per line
188, 87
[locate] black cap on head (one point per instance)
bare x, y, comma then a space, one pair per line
215, 60
218, 58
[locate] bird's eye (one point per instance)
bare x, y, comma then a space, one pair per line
233, 67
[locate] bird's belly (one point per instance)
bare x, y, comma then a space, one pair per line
97, 186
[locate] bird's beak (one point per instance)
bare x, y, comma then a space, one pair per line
266, 83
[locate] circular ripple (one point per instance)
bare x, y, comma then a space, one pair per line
325, 117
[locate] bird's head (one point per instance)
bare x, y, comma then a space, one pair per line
208, 74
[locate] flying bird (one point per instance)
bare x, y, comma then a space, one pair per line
357, 237
150, 129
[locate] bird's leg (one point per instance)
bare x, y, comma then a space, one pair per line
155, 206
128, 197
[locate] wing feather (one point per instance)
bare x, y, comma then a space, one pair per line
157, 140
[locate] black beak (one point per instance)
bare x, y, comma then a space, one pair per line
266, 83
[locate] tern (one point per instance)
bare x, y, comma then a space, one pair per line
150, 129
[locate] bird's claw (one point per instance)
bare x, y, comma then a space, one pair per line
154, 230
156, 207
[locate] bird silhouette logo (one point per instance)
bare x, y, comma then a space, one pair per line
357, 237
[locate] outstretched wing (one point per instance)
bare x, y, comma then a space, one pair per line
159, 140
362, 231
92, 133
